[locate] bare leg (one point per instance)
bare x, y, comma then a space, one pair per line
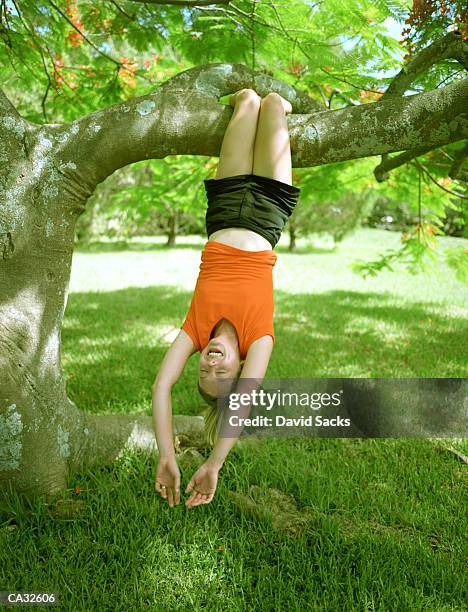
237, 149
272, 150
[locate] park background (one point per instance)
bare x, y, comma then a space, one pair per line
370, 282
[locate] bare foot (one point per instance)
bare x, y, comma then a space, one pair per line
240, 93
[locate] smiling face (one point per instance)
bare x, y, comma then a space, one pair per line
219, 361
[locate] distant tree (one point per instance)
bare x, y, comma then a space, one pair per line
336, 218
170, 189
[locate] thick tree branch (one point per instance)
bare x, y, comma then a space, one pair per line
108, 435
169, 121
219, 79
429, 119
184, 117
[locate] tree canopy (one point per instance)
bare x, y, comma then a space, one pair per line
64, 59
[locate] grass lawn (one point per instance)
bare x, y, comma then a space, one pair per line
330, 525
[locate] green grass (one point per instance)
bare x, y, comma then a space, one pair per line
386, 519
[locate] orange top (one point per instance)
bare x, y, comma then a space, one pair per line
236, 285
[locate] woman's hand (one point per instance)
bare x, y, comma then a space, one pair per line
202, 485
168, 481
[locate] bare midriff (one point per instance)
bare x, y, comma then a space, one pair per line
241, 238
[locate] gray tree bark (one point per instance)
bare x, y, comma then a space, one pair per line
47, 173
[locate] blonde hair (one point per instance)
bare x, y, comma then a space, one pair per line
212, 413
210, 416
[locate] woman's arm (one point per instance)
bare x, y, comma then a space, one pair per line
172, 366
169, 373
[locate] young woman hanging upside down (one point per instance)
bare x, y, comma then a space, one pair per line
230, 319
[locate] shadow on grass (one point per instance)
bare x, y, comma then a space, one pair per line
393, 510
113, 343
383, 523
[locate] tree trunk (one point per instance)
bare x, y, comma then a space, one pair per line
173, 229
292, 236
48, 172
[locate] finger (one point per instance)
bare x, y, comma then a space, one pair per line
177, 496
164, 491
190, 500
208, 497
190, 485
201, 499
159, 486
170, 497
198, 499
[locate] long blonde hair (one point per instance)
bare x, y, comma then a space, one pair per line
212, 413
210, 416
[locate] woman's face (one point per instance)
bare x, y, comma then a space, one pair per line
219, 361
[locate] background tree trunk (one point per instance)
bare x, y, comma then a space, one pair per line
173, 229
292, 236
